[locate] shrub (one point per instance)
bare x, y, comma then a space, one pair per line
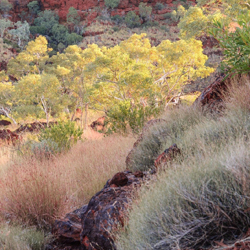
125, 117
159, 6
117, 19
64, 135
234, 44
145, 11
43, 149
5, 6
112, 3
132, 20
34, 7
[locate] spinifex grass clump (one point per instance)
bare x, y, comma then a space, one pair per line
35, 192
18, 238
205, 198
200, 202
162, 135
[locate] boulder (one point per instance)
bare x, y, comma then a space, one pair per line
9, 137
167, 156
33, 127
93, 226
211, 98
4, 123
67, 231
99, 124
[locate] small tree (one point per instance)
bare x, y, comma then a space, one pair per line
6, 96
4, 25
132, 20
42, 89
5, 6
46, 19
145, 11
73, 18
34, 7
22, 32
112, 3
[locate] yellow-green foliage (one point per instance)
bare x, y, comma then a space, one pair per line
195, 23
199, 19
105, 76
31, 60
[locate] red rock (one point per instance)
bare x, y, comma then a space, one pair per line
99, 124
9, 137
3, 65
164, 11
138, 174
120, 179
62, 6
123, 4
167, 156
211, 97
160, 17
91, 17
4, 123
33, 127
92, 227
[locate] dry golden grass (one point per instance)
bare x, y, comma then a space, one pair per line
36, 192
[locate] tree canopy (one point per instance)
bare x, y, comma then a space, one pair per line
132, 76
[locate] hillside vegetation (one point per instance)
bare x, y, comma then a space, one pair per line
198, 199
203, 196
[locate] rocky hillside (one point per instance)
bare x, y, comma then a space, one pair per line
88, 7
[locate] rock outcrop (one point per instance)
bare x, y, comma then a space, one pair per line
85, 7
5, 123
9, 137
33, 127
93, 226
99, 124
211, 98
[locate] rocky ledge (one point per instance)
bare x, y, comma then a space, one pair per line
93, 226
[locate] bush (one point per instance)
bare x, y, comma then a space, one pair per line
60, 137
5, 6
117, 19
34, 7
145, 11
125, 117
132, 20
112, 3
235, 44
159, 6
43, 149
